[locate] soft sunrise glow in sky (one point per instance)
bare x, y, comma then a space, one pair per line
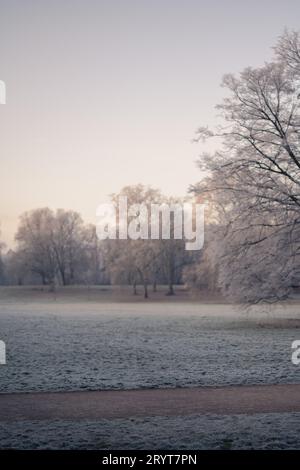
106, 93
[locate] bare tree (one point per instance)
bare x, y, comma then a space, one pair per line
67, 239
255, 178
51, 244
147, 261
35, 245
133, 261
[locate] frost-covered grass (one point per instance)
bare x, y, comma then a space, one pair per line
261, 431
89, 346
57, 345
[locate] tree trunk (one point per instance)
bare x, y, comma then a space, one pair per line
134, 288
52, 286
63, 277
171, 277
171, 289
145, 290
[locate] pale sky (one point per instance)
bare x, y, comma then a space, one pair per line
106, 93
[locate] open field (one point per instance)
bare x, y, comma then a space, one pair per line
65, 346
70, 343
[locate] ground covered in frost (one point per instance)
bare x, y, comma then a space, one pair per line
90, 346
261, 431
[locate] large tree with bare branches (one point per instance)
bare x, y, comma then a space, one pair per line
255, 178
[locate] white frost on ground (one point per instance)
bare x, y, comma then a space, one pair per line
55, 346
261, 431
89, 346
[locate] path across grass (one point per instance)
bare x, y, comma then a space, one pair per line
111, 404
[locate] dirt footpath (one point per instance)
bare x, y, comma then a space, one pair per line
112, 404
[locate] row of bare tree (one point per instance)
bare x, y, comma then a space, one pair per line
57, 248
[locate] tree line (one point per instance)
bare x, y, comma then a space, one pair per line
58, 248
